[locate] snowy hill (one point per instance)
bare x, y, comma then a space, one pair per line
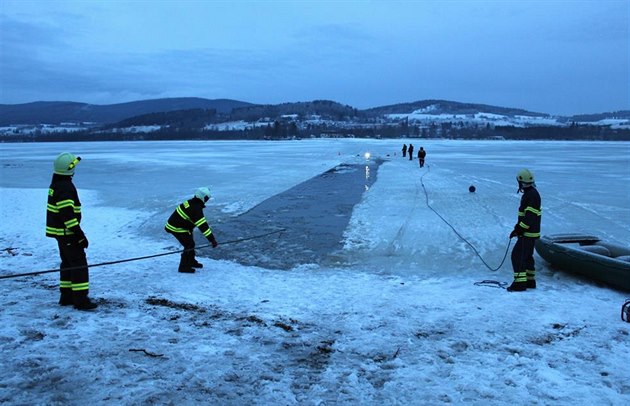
440, 111
225, 119
448, 107
429, 115
59, 112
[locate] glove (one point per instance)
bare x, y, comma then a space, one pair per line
514, 233
213, 241
83, 242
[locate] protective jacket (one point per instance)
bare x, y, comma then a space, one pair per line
187, 216
63, 214
529, 214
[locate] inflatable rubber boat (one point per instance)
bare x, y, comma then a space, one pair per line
588, 256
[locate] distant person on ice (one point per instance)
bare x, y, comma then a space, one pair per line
63, 223
421, 154
410, 150
527, 230
404, 150
181, 224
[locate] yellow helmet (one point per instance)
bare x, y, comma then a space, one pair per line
64, 164
525, 176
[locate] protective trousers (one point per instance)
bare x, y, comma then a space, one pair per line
188, 256
74, 276
523, 259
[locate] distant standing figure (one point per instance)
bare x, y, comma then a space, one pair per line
421, 154
182, 222
527, 229
404, 150
410, 150
63, 223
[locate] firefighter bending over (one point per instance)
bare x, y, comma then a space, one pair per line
184, 219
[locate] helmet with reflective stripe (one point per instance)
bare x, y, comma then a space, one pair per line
65, 163
203, 194
525, 177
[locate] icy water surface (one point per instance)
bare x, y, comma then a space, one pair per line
313, 216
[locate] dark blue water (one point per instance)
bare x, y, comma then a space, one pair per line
313, 214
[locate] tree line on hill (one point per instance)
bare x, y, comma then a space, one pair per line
319, 118
185, 129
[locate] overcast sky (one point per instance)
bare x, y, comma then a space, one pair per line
551, 56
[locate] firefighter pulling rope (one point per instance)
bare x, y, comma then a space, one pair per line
147, 256
456, 232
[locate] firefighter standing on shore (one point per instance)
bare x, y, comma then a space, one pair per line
182, 222
527, 229
63, 223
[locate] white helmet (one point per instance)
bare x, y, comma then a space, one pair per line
203, 194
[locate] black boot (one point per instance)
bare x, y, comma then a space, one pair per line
83, 302
517, 287
66, 297
197, 264
187, 262
531, 279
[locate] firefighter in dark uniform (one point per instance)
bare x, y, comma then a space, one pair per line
527, 230
404, 150
182, 222
63, 222
410, 151
421, 155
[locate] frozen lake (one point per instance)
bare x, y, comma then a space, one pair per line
585, 188
369, 297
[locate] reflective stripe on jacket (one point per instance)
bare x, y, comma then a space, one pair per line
187, 216
63, 211
529, 213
